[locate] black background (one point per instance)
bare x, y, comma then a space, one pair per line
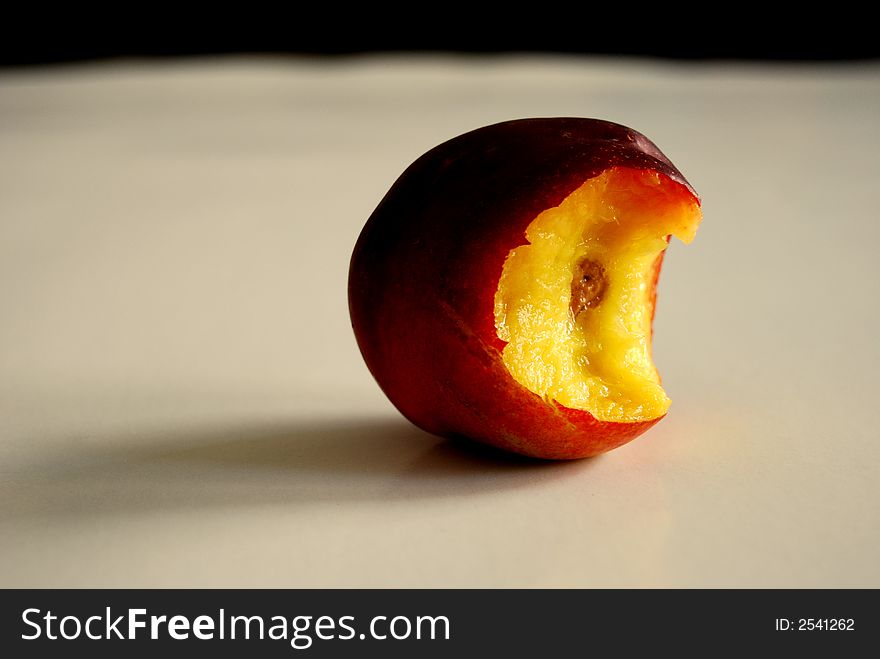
716, 31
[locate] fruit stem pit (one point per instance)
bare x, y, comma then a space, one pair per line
588, 286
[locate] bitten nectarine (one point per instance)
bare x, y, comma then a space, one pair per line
504, 288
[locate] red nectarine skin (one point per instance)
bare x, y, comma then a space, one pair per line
427, 264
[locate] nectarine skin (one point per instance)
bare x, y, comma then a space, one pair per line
426, 267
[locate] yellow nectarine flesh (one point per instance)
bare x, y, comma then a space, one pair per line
575, 304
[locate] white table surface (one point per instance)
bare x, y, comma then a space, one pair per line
182, 402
